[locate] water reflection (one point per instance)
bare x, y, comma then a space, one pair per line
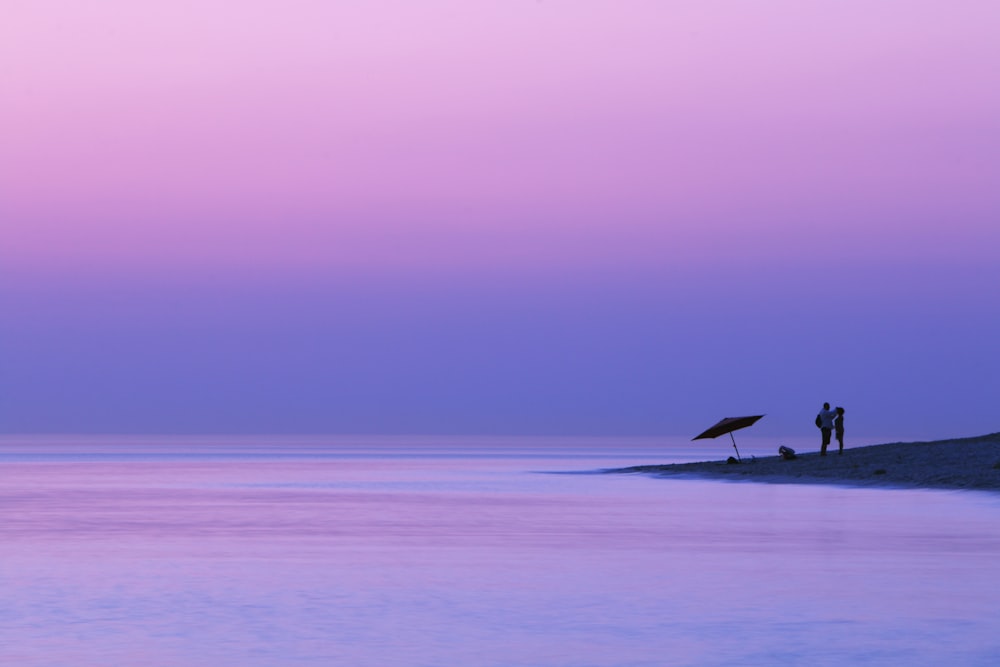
411, 560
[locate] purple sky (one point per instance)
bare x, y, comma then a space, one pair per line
499, 217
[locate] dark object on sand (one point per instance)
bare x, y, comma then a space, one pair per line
731, 460
786, 453
880, 471
728, 425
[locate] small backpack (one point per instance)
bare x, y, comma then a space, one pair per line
819, 422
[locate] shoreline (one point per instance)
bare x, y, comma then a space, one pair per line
962, 463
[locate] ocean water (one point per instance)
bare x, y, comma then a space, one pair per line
473, 552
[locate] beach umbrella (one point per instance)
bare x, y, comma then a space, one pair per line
728, 425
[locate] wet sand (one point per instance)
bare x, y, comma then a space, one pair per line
966, 463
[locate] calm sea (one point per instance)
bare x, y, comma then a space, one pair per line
473, 552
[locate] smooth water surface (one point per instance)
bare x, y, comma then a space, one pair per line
473, 552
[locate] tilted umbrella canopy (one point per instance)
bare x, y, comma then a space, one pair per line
728, 425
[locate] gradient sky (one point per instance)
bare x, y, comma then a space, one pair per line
591, 217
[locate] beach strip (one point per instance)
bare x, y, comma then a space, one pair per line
964, 463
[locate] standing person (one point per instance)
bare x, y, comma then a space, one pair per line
825, 422
838, 428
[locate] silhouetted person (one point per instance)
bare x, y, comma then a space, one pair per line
838, 428
825, 421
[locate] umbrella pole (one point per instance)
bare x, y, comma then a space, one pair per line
734, 447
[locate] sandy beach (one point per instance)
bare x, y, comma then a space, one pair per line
966, 463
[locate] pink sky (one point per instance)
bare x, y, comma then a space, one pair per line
670, 150
322, 132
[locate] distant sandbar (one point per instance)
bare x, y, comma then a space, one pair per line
966, 463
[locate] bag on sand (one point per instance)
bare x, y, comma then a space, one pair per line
819, 422
787, 453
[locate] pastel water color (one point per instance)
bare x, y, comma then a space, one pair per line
473, 551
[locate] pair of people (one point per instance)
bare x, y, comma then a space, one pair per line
829, 422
